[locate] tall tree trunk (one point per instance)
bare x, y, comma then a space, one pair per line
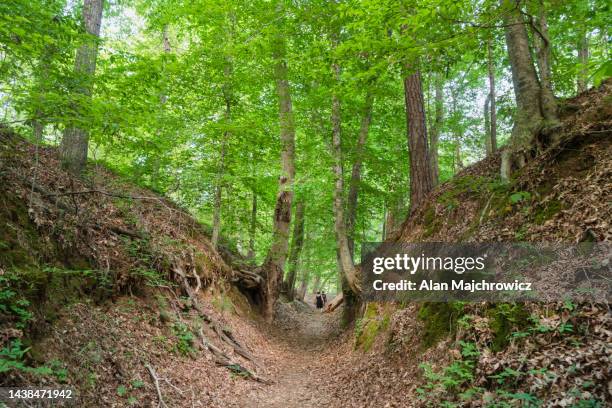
38, 122
384, 226
583, 60
297, 243
272, 269
366, 118
75, 141
163, 98
351, 285
420, 169
543, 57
487, 125
347, 267
458, 161
218, 198
228, 70
529, 118
253, 227
301, 292
492, 112
390, 222
435, 130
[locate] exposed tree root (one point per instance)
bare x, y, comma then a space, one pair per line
155, 379
224, 360
333, 305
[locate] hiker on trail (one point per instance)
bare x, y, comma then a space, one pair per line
324, 298
319, 300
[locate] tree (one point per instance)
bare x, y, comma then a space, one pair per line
297, 242
272, 269
353, 193
583, 59
535, 110
434, 135
491, 112
421, 182
350, 281
253, 227
75, 142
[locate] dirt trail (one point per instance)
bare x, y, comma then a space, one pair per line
301, 337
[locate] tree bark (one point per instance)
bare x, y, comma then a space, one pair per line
487, 125
253, 228
366, 119
492, 112
75, 141
221, 170
228, 70
420, 168
543, 57
435, 130
163, 98
346, 266
297, 243
275, 260
303, 285
583, 60
529, 118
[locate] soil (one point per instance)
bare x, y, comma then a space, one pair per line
298, 361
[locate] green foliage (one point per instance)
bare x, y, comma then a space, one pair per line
504, 319
519, 196
185, 339
451, 378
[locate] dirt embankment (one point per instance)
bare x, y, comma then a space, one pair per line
505, 354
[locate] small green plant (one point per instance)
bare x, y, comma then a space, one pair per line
137, 384
507, 373
451, 378
11, 358
185, 339
519, 196
121, 390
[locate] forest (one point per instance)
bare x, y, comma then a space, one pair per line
179, 179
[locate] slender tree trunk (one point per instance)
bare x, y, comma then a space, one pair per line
272, 269
38, 122
303, 286
492, 111
75, 141
163, 98
420, 169
347, 267
529, 118
389, 229
297, 243
221, 170
228, 71
435, 130
458, 161
366, 118
542, 45
253, 227
487, 125
384, 226
351, 285
583, 60
218, 199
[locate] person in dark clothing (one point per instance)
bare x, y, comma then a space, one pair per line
324, 297
319, 300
